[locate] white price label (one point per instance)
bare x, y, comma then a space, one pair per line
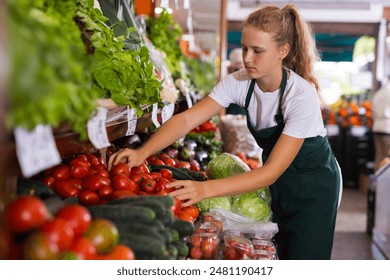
131, 121
167, 112
97, 132
36, 150
154, 115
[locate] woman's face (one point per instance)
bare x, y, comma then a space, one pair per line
260, 54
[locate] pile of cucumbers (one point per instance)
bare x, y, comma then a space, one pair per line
147, 225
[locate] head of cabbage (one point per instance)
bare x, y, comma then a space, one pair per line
226, 165
223, 202
252, 205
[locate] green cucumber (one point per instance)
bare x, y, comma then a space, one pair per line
155, 205
140, 229
166, 200
174, 234
183, 227
182, 247
144, 245
167, 218
176, 172
122, 212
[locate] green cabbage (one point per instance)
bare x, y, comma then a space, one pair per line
226, 165
223, 202
251, 205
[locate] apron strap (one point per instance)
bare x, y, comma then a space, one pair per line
249, 94
281, 92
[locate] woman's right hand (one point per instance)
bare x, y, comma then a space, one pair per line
129, 156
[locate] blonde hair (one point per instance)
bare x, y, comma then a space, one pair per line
288, 27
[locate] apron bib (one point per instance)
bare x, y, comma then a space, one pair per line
305, 196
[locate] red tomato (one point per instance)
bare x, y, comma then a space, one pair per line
59, 232
121, 252
61, 172
208, 248
184, 164
155, 175
184, 216
195, 253
149, 186
105, 192
163, 156
176, 207
170, 162
122, 182
103, 172
161, 184
152, 158
120, 168
88, 197
192, 210
39, 246
100, 166
80, 160
121, 194
104, 235
157, 162
92, 159
25, 213
83, 248
78, 217
75, 182
79, 171
95, 182
143, 168
65, 189
166, 173
139, 177
194, 165
49, 181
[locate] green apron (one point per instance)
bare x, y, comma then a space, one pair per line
305, 196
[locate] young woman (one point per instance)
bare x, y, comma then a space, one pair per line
279, 92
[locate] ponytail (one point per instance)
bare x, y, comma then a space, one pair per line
288, 27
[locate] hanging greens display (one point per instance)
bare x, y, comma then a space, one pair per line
63, 57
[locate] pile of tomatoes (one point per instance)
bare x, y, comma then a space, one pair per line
31, 232
87, 178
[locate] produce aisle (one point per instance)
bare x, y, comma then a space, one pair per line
108, 84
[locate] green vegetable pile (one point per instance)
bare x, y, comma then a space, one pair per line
63, 57
254, 204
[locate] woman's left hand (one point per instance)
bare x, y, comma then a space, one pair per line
190, 192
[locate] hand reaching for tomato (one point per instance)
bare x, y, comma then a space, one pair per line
129, 156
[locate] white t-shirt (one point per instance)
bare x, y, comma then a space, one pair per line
301, 107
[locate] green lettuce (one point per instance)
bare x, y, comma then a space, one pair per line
226, 165
252, 205
223, 202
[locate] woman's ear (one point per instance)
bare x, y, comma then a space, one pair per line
284, 50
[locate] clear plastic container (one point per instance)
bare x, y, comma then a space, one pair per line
212, 217
236, 247
203, 246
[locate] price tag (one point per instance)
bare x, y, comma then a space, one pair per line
189, 100
97, 132
131, 121
167, 112
36, 150
154, 115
